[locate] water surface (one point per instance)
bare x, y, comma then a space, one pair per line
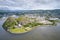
40, 33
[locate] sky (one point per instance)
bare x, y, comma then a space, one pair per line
29, 4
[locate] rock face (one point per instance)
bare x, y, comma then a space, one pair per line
25, 23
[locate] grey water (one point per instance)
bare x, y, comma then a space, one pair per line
39, 33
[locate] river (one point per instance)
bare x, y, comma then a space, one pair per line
40, 33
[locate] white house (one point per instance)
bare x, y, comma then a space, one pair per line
53, 18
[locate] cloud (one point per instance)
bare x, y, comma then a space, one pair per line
30, 4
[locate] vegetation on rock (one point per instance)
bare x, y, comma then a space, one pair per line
25, 23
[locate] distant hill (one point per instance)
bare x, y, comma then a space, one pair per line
55, 12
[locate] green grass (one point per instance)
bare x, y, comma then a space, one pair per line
17, 30
20, 30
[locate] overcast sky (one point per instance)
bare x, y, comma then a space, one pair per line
29, 4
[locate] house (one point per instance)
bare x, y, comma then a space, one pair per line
18, 26
53, 18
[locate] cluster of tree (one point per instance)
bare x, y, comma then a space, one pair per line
9, 23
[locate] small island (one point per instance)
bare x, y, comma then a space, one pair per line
27, 22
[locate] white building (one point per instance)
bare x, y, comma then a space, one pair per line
53, 18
